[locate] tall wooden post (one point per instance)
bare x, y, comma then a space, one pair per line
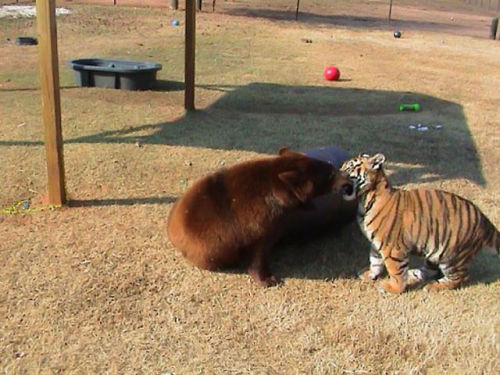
51, 100
493, 28
189, 54
390, 12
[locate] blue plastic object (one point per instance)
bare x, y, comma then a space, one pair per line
331, 154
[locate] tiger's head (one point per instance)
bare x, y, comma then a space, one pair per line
362, 170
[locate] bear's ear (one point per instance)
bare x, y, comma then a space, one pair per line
283, 151
296, 185
377, 161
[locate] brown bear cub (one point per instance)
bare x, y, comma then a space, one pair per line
236, 215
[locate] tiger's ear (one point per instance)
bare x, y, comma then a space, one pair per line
377, 161
297, 186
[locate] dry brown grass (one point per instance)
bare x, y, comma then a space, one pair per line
96, 288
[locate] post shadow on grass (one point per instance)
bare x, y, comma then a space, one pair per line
165, 85
35, 88
159, 85
120, 201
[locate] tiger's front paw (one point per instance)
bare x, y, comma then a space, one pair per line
366, 274
390, 287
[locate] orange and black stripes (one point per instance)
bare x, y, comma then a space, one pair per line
445, 228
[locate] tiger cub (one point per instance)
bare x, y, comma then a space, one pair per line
446, 229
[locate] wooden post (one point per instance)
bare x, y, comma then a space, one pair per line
189, 58
390, 12
493, 28
297, 11
51, 101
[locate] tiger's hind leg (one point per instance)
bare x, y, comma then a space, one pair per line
453, 278
427, 272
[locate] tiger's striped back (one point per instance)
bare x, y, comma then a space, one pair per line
445, 228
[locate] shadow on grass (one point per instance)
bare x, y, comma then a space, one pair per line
36, 88
120, 201
484, 269
349, 21
164, 85
159, 85
345, 251
263, 117
337, 253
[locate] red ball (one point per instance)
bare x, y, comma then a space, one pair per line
331, 73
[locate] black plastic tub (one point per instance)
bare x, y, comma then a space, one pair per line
26, 41
114, 74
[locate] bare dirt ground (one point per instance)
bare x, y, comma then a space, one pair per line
97, 288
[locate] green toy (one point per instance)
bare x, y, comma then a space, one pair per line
409, 107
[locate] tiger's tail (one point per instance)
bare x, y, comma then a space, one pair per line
492, 243
498, 243
493, 246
